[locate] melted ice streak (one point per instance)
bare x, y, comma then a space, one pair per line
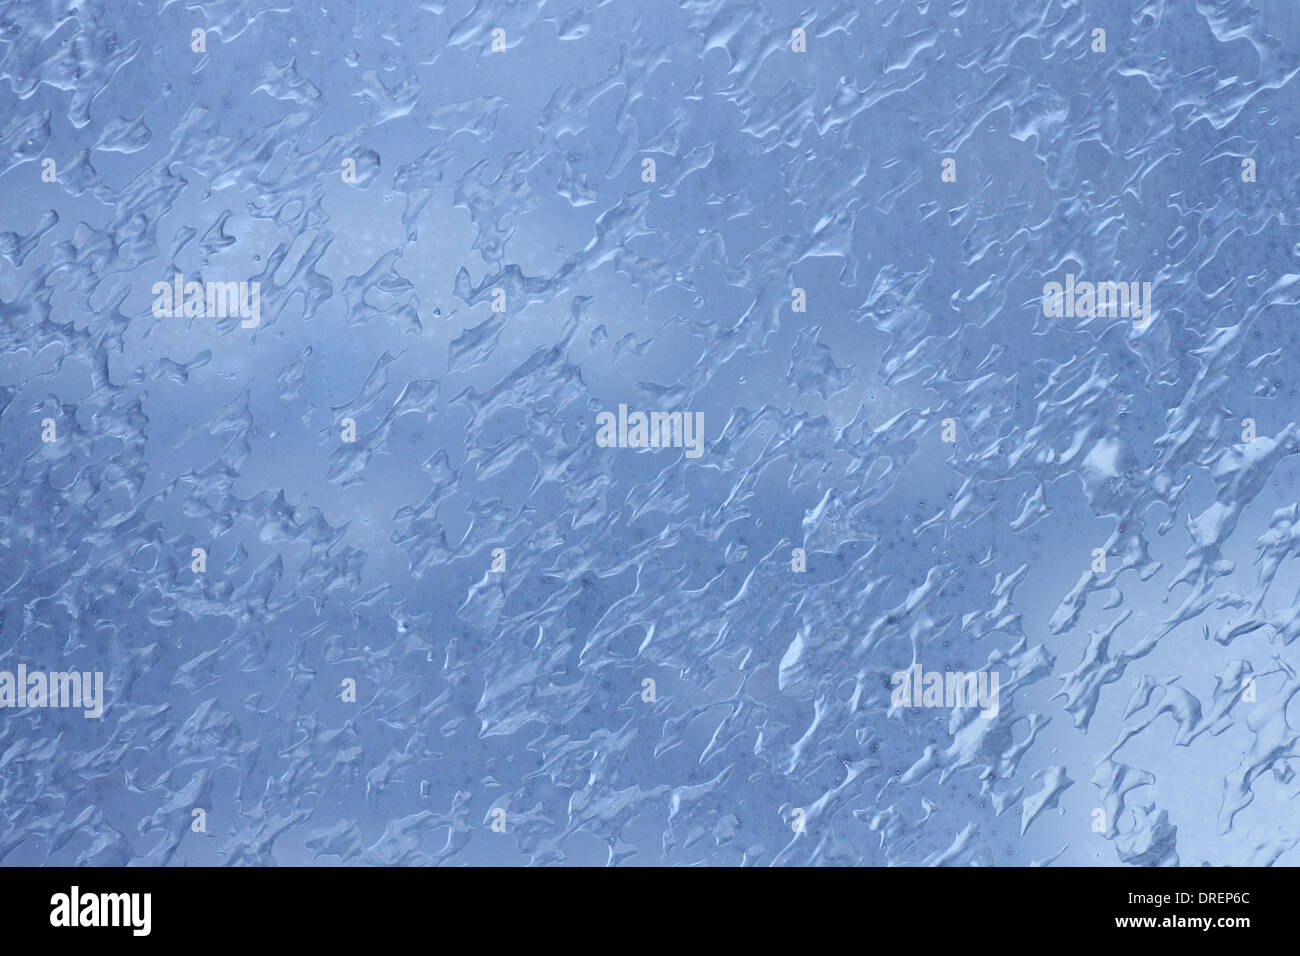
522, 172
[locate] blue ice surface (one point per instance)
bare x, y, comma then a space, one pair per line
1145, 713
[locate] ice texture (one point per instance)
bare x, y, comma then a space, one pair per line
464, 251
